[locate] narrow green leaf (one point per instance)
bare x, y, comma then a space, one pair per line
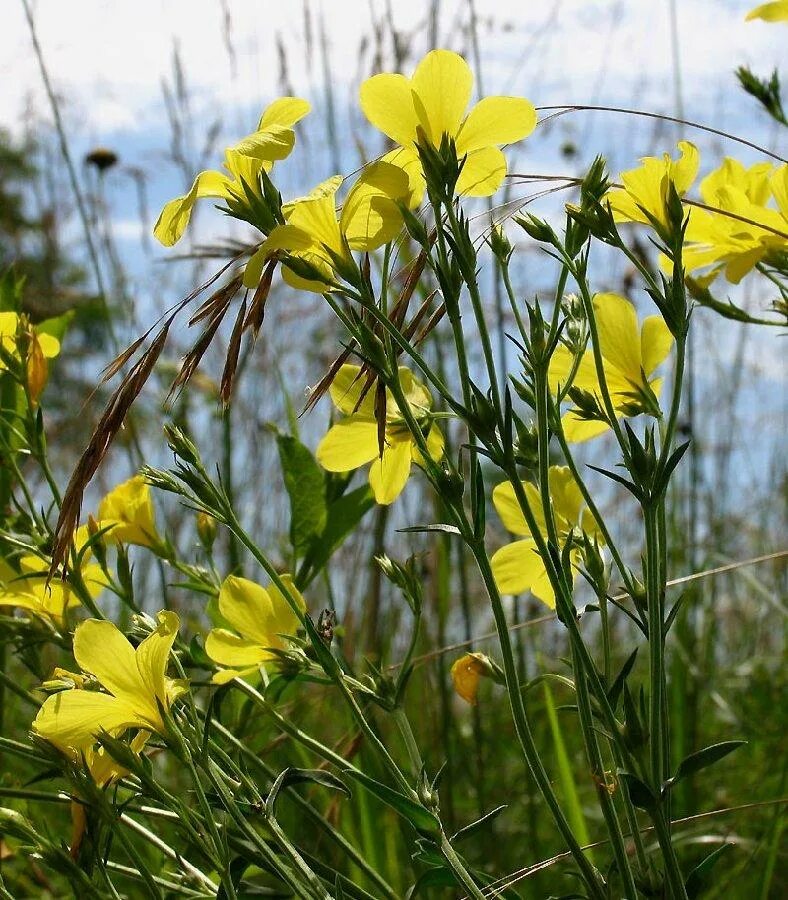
704, 758
639, 792
699, 878
471, 829
421, 819
618, 684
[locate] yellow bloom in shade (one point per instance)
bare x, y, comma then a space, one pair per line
629, 356
517, 567
48, 345
465, 674
273, 140
28, 588
435, 100
646, 188
313, 231
776, 11
127, 510
135, 682
260, 617
353, 441
745, 230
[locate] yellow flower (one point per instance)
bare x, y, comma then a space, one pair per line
28, 588
127, 510
775, 11
313, 232
629, 357
260, 616
48, 345
273, 140
646, 188
135, 681
465, 674
726, 241
435, 100
517, 567
353, 441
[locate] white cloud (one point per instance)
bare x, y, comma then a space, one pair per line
113, 56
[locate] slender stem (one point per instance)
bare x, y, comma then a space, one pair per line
336, 675
481, 322
157, 842
594, 756
463, 876
403, 723
522, 728
675, 878
452, 302
328, 829
594, 510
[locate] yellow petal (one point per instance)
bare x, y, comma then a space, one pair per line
271, 144
779, 185
441, 86
346, 389
435, 444
389, 474
656, 342
775, 11
543, 590
370, 216
228, 649
318, 262
565, 495
50, 346
176, 214
317, 217
9, 323
495, 121
619, 337
73, 719
349, 443
246, 605
101, 649
508, 508
417, 396
285, 111
577, 430
482, 173
224, 676
684, 170
283, 237
284, 619
517, 567
407, 159
153, 655
129, 507
387, 102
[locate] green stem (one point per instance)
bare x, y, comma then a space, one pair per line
675, 879
462, 874
414, 754
598, 773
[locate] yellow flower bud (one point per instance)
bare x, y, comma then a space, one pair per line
466, 672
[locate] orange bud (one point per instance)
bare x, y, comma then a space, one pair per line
37, 369
466, 672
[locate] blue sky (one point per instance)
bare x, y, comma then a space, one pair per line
109, 60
